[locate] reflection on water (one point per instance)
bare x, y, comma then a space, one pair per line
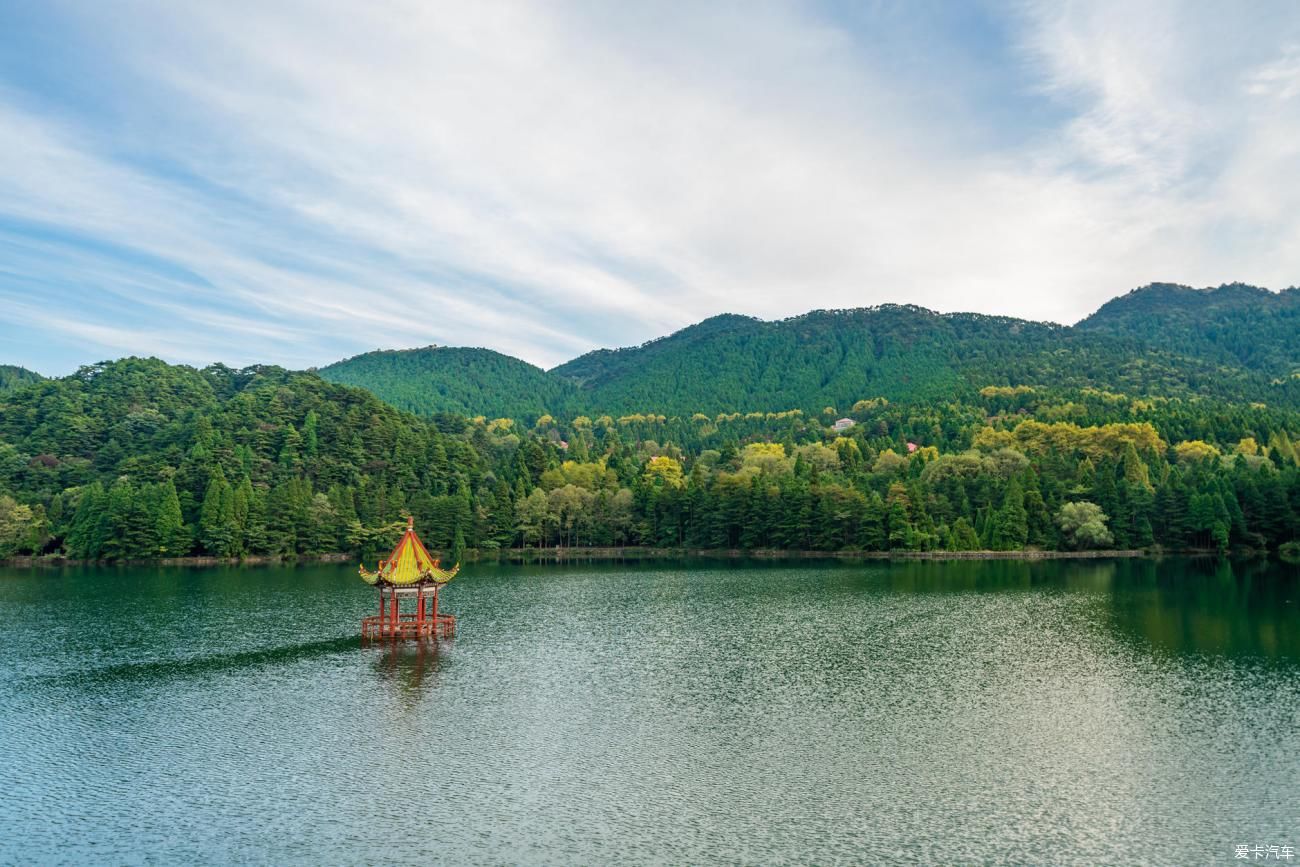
411, 666
1214, 606
946, 576
966, 712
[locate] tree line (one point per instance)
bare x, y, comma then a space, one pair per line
138, 459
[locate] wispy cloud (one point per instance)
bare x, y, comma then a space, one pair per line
296, 182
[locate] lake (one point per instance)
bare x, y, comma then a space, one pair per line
1063, 712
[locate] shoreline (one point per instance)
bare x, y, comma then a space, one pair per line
531, 555
620, 554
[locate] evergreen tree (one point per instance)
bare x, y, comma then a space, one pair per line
218, 531
898, 520
1135, 472
964, 537
311, 435
241, 504
1011, 523
90, 527
172, 536
290, 458
872, 534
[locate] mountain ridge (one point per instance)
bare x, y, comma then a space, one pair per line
1235, 342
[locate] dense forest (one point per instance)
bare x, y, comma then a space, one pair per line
1234, 343
138, 458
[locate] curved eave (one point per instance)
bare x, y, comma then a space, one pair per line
434, 575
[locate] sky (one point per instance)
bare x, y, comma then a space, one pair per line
270, 181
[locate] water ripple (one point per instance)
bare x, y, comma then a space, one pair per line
895, 713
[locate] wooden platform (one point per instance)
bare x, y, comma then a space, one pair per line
408, 626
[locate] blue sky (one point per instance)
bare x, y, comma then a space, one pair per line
295, 182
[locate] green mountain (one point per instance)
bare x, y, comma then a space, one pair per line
1233, 325
824, 358
12, 377
446, 379
1234, 343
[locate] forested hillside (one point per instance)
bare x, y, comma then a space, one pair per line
829, 358
1231, 325
446, 379
12, 377
1234, 343
138, 458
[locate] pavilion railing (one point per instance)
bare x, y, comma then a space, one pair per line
408, 626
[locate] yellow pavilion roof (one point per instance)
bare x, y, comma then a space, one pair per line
409, 563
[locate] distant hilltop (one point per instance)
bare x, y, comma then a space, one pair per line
12, 377
1236, 342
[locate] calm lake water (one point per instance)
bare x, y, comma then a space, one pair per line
967, 712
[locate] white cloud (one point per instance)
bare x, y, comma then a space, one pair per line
544, 179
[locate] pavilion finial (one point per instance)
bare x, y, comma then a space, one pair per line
410, 522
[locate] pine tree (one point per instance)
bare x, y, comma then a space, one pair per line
217, 528
1042, 529
89, 528
290, 458
1143, 535
1219, 536
169, 523
300, 501
241, 503
1135, 472
1122, 519
281, 523
1171, 508
964, 537
1011, 523
898, 521
311, 435
130, 525
255, 530
1201, 517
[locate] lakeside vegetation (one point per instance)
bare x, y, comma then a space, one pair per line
137, 459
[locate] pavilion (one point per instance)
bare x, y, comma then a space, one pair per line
409, 573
